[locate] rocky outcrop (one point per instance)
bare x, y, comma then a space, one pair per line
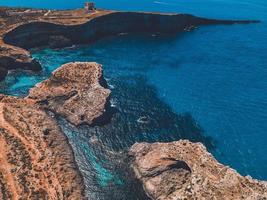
12, 57
16, 56
75, 91
35, 28
185, 170
36, 160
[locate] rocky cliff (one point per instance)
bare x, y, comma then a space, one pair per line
75, 91
12, 57
36, 34
36, 160
36, 28
185, 170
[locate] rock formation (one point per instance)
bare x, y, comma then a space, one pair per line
74, 91
31, 28
185, 170
36, 161
12, 57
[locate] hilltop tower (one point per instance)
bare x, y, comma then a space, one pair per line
89, 7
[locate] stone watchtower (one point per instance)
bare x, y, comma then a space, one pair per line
89, 7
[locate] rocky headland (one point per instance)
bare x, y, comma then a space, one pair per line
36, 160
184, 170
75, 91
23, 29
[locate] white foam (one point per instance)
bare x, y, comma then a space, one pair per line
113, 103
164, 3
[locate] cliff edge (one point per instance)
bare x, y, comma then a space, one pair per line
185, 170
36, 160
75, 91
23, 29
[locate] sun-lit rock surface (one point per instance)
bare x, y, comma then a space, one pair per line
36, 161
74, 91
185, 170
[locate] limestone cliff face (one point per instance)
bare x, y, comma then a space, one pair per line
59, 29
36, 34
36, 160
185, 170
12, 57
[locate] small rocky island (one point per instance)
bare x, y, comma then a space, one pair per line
36, 160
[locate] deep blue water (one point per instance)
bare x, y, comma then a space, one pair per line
208, 85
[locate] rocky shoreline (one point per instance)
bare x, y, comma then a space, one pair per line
36, 160
185, 170
74, 91
23, 29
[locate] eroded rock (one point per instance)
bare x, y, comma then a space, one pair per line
74, 91
23, 29
33, 164
36, 160
12, 58
185, 170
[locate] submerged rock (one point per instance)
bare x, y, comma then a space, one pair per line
74, 91
185, 170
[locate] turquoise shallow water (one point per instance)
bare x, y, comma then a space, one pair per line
208, 85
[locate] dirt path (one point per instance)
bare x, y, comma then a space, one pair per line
35, 154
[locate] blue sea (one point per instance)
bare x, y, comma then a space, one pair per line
208, 85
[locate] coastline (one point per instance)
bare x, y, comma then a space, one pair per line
23, 29
21, 58
37, 160
186, 170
